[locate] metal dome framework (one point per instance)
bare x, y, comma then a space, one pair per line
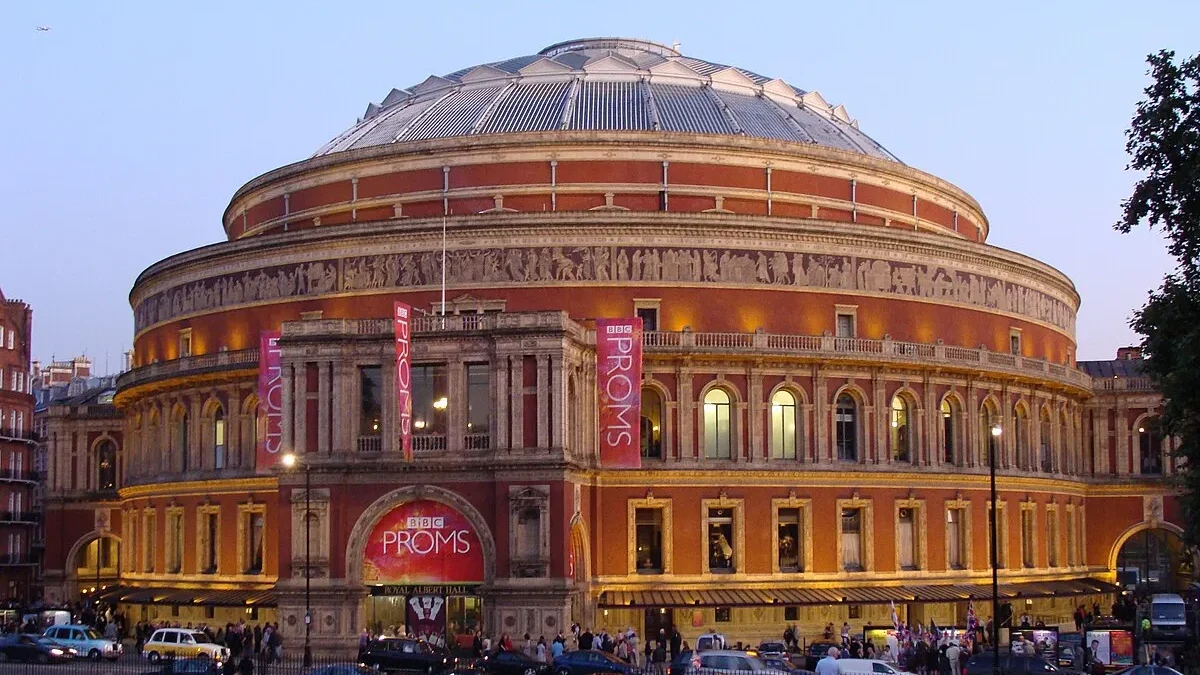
606, 84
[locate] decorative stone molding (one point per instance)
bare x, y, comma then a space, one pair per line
807, 533
525, 501
963, 507
866, 533
668, 532
739, 531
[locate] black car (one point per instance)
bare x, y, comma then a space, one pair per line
680, 664
981, 664
587, 661
194, 666
816, 651
342, 669
404, 654
511, 663
32, 648
782, 665
772, 649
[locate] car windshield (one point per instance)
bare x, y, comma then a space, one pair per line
1167, 612
201, 638
771, 647
92, 634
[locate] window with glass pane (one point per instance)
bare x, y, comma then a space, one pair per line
791, 541
1001, 548
716, 425
370, 403
150, 542
845, 325
852, 559
955, 538
479, 398
783, 425
1150, 447
107, 464
900, 433
846, 428
430, 399
721, 540
1027, 538
1072, 557
182, 444
1052, 538
174, 543
651, 423
211, 544
649, 317
649, 541
1047, 457
988, 419
949, 431
219, 438
906, 536
1022, 439
255, 523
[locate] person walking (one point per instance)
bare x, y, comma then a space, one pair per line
828, 664
676, 643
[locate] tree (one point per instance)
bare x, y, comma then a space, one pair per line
1163, 142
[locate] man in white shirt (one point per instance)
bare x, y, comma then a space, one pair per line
828, 665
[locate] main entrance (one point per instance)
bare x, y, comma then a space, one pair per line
423, 564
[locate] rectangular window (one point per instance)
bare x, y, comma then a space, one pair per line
149, 542
11, 335
185, 342
174, 543
721, 541
716, 430
956, 538
791, 613
1027, 558
791, 540
370, 402
212, 543
852, 558
254, 528
1014, 343
430, 399
845, 325
649, 541
649, 317
906, 538
479, 398
1052, 538
1001, 544
1072, 553
723, 615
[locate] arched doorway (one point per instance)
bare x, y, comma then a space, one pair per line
579, 566
94, 564
1154, 559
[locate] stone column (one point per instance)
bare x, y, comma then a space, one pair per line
196, 454
324, 401
755, 406
344, 406
500, 400
543, 400
880, 446
1122, 439
823, 451
687, 421
516, 364
287, 405
972, 456
558, 395
389, 433
233, 428
456, 392
299, 407
932, 447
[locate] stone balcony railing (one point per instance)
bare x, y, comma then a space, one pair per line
1103, 385
189, 365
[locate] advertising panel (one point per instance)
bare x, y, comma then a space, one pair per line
1110, 647
400, 316
423, 542
1041, 642
270, 401
619, 378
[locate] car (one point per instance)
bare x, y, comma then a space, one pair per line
342, 669
867, 667
981, 664
772, 649
783, 665
587, 661
512, 663
680, 664
192, 666
182, 643
85, 641
406, 654
817, 651
1148, 670
718, 661
709, 641
32, 649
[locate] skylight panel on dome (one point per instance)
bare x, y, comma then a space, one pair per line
390, 123
823, 131
515, 65
454, 115
529, 107
395, 96
646, 60
702, 67
456, 75
610, 105
688, 109
479, 73
572, 60
758, 117
433, 83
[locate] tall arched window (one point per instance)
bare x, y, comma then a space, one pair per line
1047, 437
783, 425
179, 437
1022, 438
989, 418
1064, 444
219, 438
153, 442
716, 424
845, 422
106, 466
901, 436
951, 419
1150, 446
651, 423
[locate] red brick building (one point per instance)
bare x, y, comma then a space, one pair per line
833, 354
17, 479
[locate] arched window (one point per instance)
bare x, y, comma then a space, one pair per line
218, 438
1047, 436
845, 422
1022, 438
153, 442
716, 424
1150, 446
783, 425
651, 423
179, 437
900, 430
1064, 443
950, 424
988, 420
106, 466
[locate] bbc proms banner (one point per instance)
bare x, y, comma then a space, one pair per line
619, 370
423, 542
401, 313
270, 401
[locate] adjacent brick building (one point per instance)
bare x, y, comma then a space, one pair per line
18, 519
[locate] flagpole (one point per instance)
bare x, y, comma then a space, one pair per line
443, 270
994, 446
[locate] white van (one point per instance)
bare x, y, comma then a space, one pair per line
868, 667
709, 641
1168, 617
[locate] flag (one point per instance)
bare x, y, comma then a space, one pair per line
972, 622
895, 619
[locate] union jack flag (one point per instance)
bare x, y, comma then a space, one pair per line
972, 621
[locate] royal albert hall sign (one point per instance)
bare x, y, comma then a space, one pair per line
423, 542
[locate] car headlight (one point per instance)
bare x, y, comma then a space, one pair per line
56, 652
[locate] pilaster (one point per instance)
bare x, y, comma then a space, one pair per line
557, 396
324, 401
543, 400
757, 450
299, 407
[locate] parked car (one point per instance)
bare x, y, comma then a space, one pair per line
182, 643
772, 649
867, 667
405, 654
981, 664
511, 663
709, 641
32, 649
724, 661
342, 669
816, 651
85, 641
193, 666
680, 664
585, 662
783, 665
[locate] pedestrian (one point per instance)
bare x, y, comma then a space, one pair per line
845, 633
676, 643
660, 658
585, 639
558, 647
540, 650
364, 641
828, 665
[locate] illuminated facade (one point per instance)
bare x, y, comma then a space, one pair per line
829, 344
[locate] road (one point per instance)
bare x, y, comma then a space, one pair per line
131, 664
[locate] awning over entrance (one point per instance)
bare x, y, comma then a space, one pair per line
187, 596
859, 595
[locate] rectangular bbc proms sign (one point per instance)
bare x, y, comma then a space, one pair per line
619, 395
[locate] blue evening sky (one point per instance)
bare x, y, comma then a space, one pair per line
129, 125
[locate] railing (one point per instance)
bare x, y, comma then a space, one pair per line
428, 442
477, 441
370, 444
18, 517
1139, 383
24, 476
241, 358
12, 560
11, 434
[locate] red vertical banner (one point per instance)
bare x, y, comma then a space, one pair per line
270, 402
619, 384
400, 316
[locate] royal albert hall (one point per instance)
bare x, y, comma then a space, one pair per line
831, 354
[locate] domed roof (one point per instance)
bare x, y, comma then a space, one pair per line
606, 84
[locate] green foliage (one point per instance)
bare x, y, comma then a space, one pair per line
1163, 142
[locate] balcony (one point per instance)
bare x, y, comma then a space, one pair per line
17, 560
1104, 385
241, 359
11, 434
10, 476
21, 517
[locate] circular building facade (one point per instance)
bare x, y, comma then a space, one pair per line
832, 353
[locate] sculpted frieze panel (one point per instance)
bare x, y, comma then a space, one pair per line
604, 264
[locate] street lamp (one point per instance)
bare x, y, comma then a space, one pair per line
995, 443
289, 461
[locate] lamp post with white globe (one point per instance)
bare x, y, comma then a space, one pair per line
289, 461
995, 444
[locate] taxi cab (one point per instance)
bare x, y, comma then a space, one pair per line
182, 643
